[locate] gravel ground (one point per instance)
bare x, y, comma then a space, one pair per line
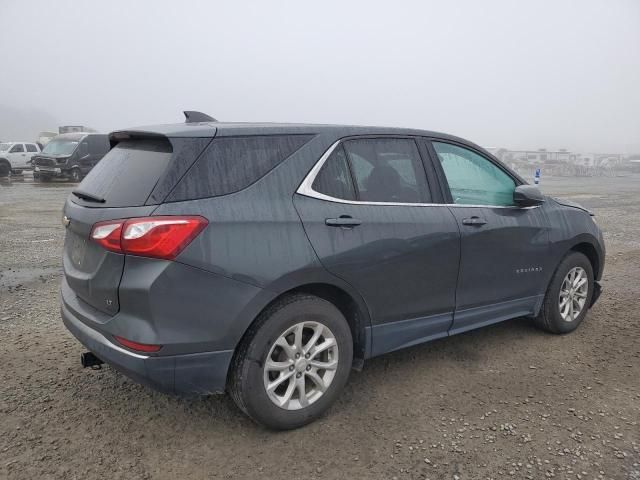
505, 401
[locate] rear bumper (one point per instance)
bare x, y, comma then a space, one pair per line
196, 373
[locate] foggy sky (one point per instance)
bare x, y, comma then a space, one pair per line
519, 74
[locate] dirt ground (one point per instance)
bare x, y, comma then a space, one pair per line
505, 401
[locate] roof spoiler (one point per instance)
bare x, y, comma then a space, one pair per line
191, 116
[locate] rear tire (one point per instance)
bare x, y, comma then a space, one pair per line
276, 376
568, 296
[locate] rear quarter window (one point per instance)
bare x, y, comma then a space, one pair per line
232, 164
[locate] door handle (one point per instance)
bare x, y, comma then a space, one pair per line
344, 221
475, 221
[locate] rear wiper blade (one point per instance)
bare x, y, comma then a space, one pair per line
88, 196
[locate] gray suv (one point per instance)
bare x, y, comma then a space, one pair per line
268, 260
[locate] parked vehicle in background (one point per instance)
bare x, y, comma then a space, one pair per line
70, 155
75, 129
15, 157
267, 260
45, 137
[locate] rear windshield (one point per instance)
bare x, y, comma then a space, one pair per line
127, 174
233, 163
60, 147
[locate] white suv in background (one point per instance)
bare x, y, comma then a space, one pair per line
16, 157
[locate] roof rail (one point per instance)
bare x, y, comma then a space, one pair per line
192, 116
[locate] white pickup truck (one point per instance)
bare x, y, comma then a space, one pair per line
16, 157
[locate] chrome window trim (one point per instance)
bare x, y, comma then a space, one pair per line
307, 190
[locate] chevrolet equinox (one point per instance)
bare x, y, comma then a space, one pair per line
268, 260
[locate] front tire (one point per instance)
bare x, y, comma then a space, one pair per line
293, 362
568, 297
75, 175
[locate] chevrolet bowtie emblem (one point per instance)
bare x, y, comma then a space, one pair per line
66, 221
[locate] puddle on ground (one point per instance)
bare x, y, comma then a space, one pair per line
28, 180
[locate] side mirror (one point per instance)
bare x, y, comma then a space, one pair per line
527, 196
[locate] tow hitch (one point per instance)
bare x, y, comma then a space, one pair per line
88, 359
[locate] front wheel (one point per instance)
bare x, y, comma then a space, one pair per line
568, 297
75, 175
293, 363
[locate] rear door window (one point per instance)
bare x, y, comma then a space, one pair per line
127, 174
231, 164
17, 148
387, 170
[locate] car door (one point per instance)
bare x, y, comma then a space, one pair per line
504, 248
31, 149
17, 156
98, 146
84, 156
367, 210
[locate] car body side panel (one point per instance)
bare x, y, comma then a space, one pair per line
503, 264
183, 308
189, 310
255, 237
402, 259
569, 227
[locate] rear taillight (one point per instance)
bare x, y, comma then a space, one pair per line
107, 234
158, 237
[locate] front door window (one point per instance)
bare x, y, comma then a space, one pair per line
473, 179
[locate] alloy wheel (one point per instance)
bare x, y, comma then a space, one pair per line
573, 294
301, 365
